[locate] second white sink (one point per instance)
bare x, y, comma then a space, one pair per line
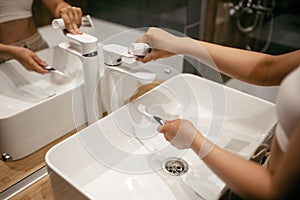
37, 109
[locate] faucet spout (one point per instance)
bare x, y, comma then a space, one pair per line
88, 43
86, 48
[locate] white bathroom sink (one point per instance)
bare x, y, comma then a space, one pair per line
36, 109
123, 157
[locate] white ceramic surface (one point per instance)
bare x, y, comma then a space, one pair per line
121, 156
36, 109
268, 93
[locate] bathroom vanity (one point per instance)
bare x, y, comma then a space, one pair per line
124, 152
39, 109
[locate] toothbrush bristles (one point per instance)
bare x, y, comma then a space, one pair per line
141, 107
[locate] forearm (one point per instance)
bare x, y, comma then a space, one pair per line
244, 177
248, 66
54, 6
7, 51
252, 67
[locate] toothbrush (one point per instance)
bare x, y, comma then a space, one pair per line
52, 69
142, 109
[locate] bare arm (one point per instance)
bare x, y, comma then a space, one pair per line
248, 66
252, 67
251, 180
246, 178
25, 56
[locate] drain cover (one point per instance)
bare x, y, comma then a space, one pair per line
175, 166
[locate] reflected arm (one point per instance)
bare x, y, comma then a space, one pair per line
252, 67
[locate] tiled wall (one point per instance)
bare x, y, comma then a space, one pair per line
184, 16
180, 15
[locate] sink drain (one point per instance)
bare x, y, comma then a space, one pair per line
175, 166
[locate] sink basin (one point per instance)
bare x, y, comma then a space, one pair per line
36, 109
122, 156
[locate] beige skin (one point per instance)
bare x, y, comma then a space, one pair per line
281, 179
16, 30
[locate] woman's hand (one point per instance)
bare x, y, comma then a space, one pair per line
70, 14
180, 133
29, 60
162, 43
72, 18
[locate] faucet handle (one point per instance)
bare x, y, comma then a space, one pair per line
139, 49
59, 23
113, 54
88, 43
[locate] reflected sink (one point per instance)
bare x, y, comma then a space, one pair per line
36, 109
122, 156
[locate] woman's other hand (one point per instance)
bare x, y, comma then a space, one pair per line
29, 60
161, 43
180, 133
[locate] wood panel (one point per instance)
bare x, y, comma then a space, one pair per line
47, 188
40, 190
12, 172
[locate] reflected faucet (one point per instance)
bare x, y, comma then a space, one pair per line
118, 63
87, 51
86, 48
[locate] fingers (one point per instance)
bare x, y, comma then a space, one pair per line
39, 69
168, 129
72, 18
38, 60
31, 65
179, 132
159, 128
165, 127
31, 61
39, 64
156, 38
142, 39
149, 57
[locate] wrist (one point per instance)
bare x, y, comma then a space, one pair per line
202, 146
8, 51
182, 45
57, 13
179, 46
197, 142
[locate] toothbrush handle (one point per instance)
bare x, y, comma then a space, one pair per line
159, 120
